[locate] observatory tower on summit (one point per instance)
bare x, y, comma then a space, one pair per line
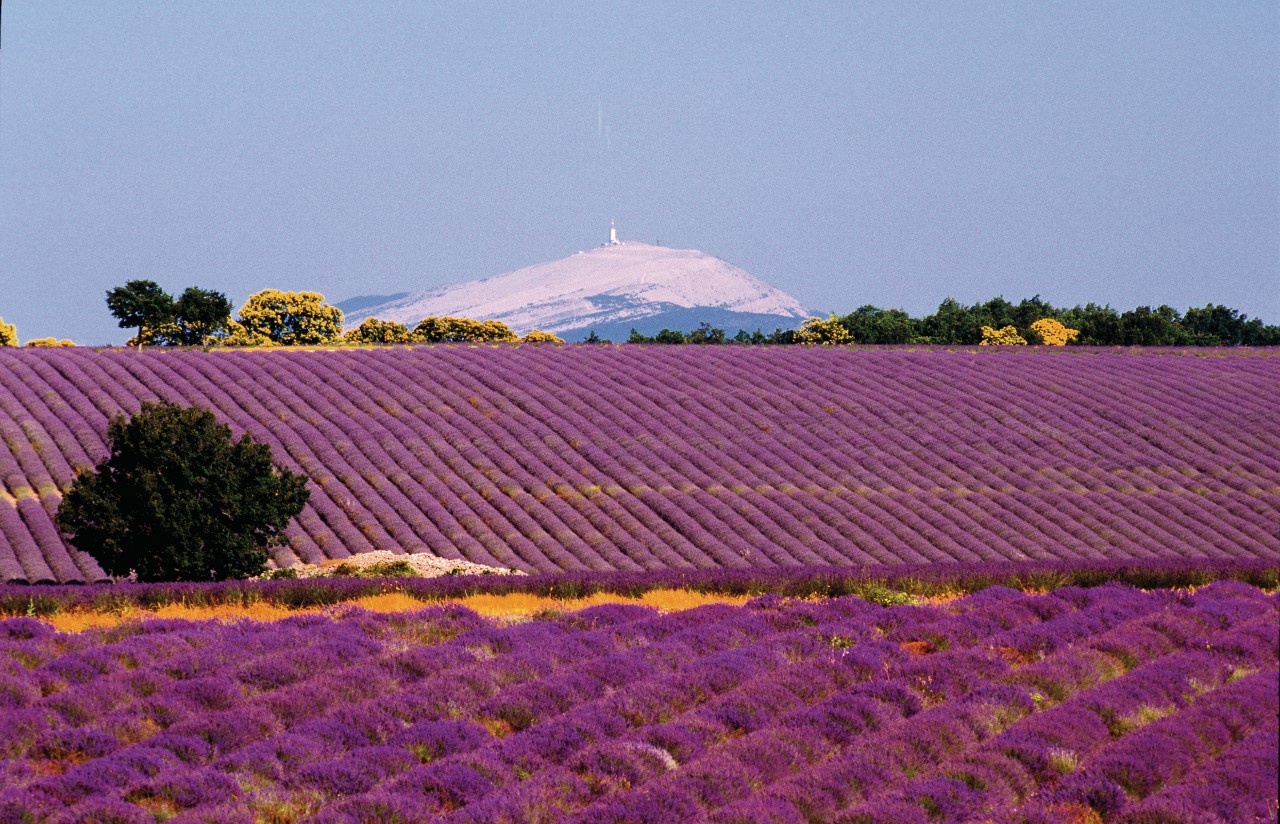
613, 235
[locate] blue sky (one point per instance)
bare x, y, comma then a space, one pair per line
892, 153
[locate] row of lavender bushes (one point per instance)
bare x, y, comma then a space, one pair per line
1107, 703
881, 584
612, 459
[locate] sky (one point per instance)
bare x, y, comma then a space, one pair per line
856, 152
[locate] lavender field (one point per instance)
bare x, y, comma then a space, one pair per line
1104, 704
586, 458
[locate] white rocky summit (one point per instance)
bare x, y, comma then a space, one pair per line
612, 285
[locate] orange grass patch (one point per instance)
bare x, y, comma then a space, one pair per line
940, 598
523, 605
917, 647
79, 620
510, 607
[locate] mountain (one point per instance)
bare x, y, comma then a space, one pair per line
352, 305
609, 289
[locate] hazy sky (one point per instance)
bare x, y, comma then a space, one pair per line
850, 152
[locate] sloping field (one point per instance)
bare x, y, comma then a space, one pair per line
630, 457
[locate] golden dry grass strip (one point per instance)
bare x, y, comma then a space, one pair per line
523, 605
515, 606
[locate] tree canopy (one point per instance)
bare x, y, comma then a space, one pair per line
202, 317
828, 332
871, 324
1032, 319
459, 330
141, 303
178, 500
199, 317
663, 336
287, 319
1004, 336
1052, 332
8, 334
372, 330
538, 336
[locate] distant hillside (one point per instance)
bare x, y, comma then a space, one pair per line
683, 320
609, 289
352, 306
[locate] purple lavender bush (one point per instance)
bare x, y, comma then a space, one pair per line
1110, 703
589, 459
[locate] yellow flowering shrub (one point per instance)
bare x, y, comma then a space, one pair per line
829, 332
538, 336
49, 342
1053, 333
239, 335
450, 330
288, 318
154, 335
8, 334
1004, 336
373, 330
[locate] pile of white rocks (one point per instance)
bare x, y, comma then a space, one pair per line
424, 565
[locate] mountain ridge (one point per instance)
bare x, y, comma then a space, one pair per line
610, 286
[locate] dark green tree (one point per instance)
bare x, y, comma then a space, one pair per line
178, 500
705, 333
996, 313
1221, 326
871, 324
1027, 312
1144, 326
951, 324
1258, 334
201, 317
1098, 325
141, 303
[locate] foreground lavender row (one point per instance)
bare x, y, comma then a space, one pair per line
628, 458
1134, 706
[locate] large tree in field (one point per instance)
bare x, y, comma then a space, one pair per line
201, 316
871, 324
141, 303
178, 500
288, 319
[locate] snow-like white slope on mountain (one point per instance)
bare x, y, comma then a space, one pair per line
609, 284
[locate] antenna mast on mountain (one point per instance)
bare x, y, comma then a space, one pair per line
613, 235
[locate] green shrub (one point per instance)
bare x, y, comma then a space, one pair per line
178, 500
381, 569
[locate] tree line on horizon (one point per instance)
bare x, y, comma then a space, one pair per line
202, 317
1004, 322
